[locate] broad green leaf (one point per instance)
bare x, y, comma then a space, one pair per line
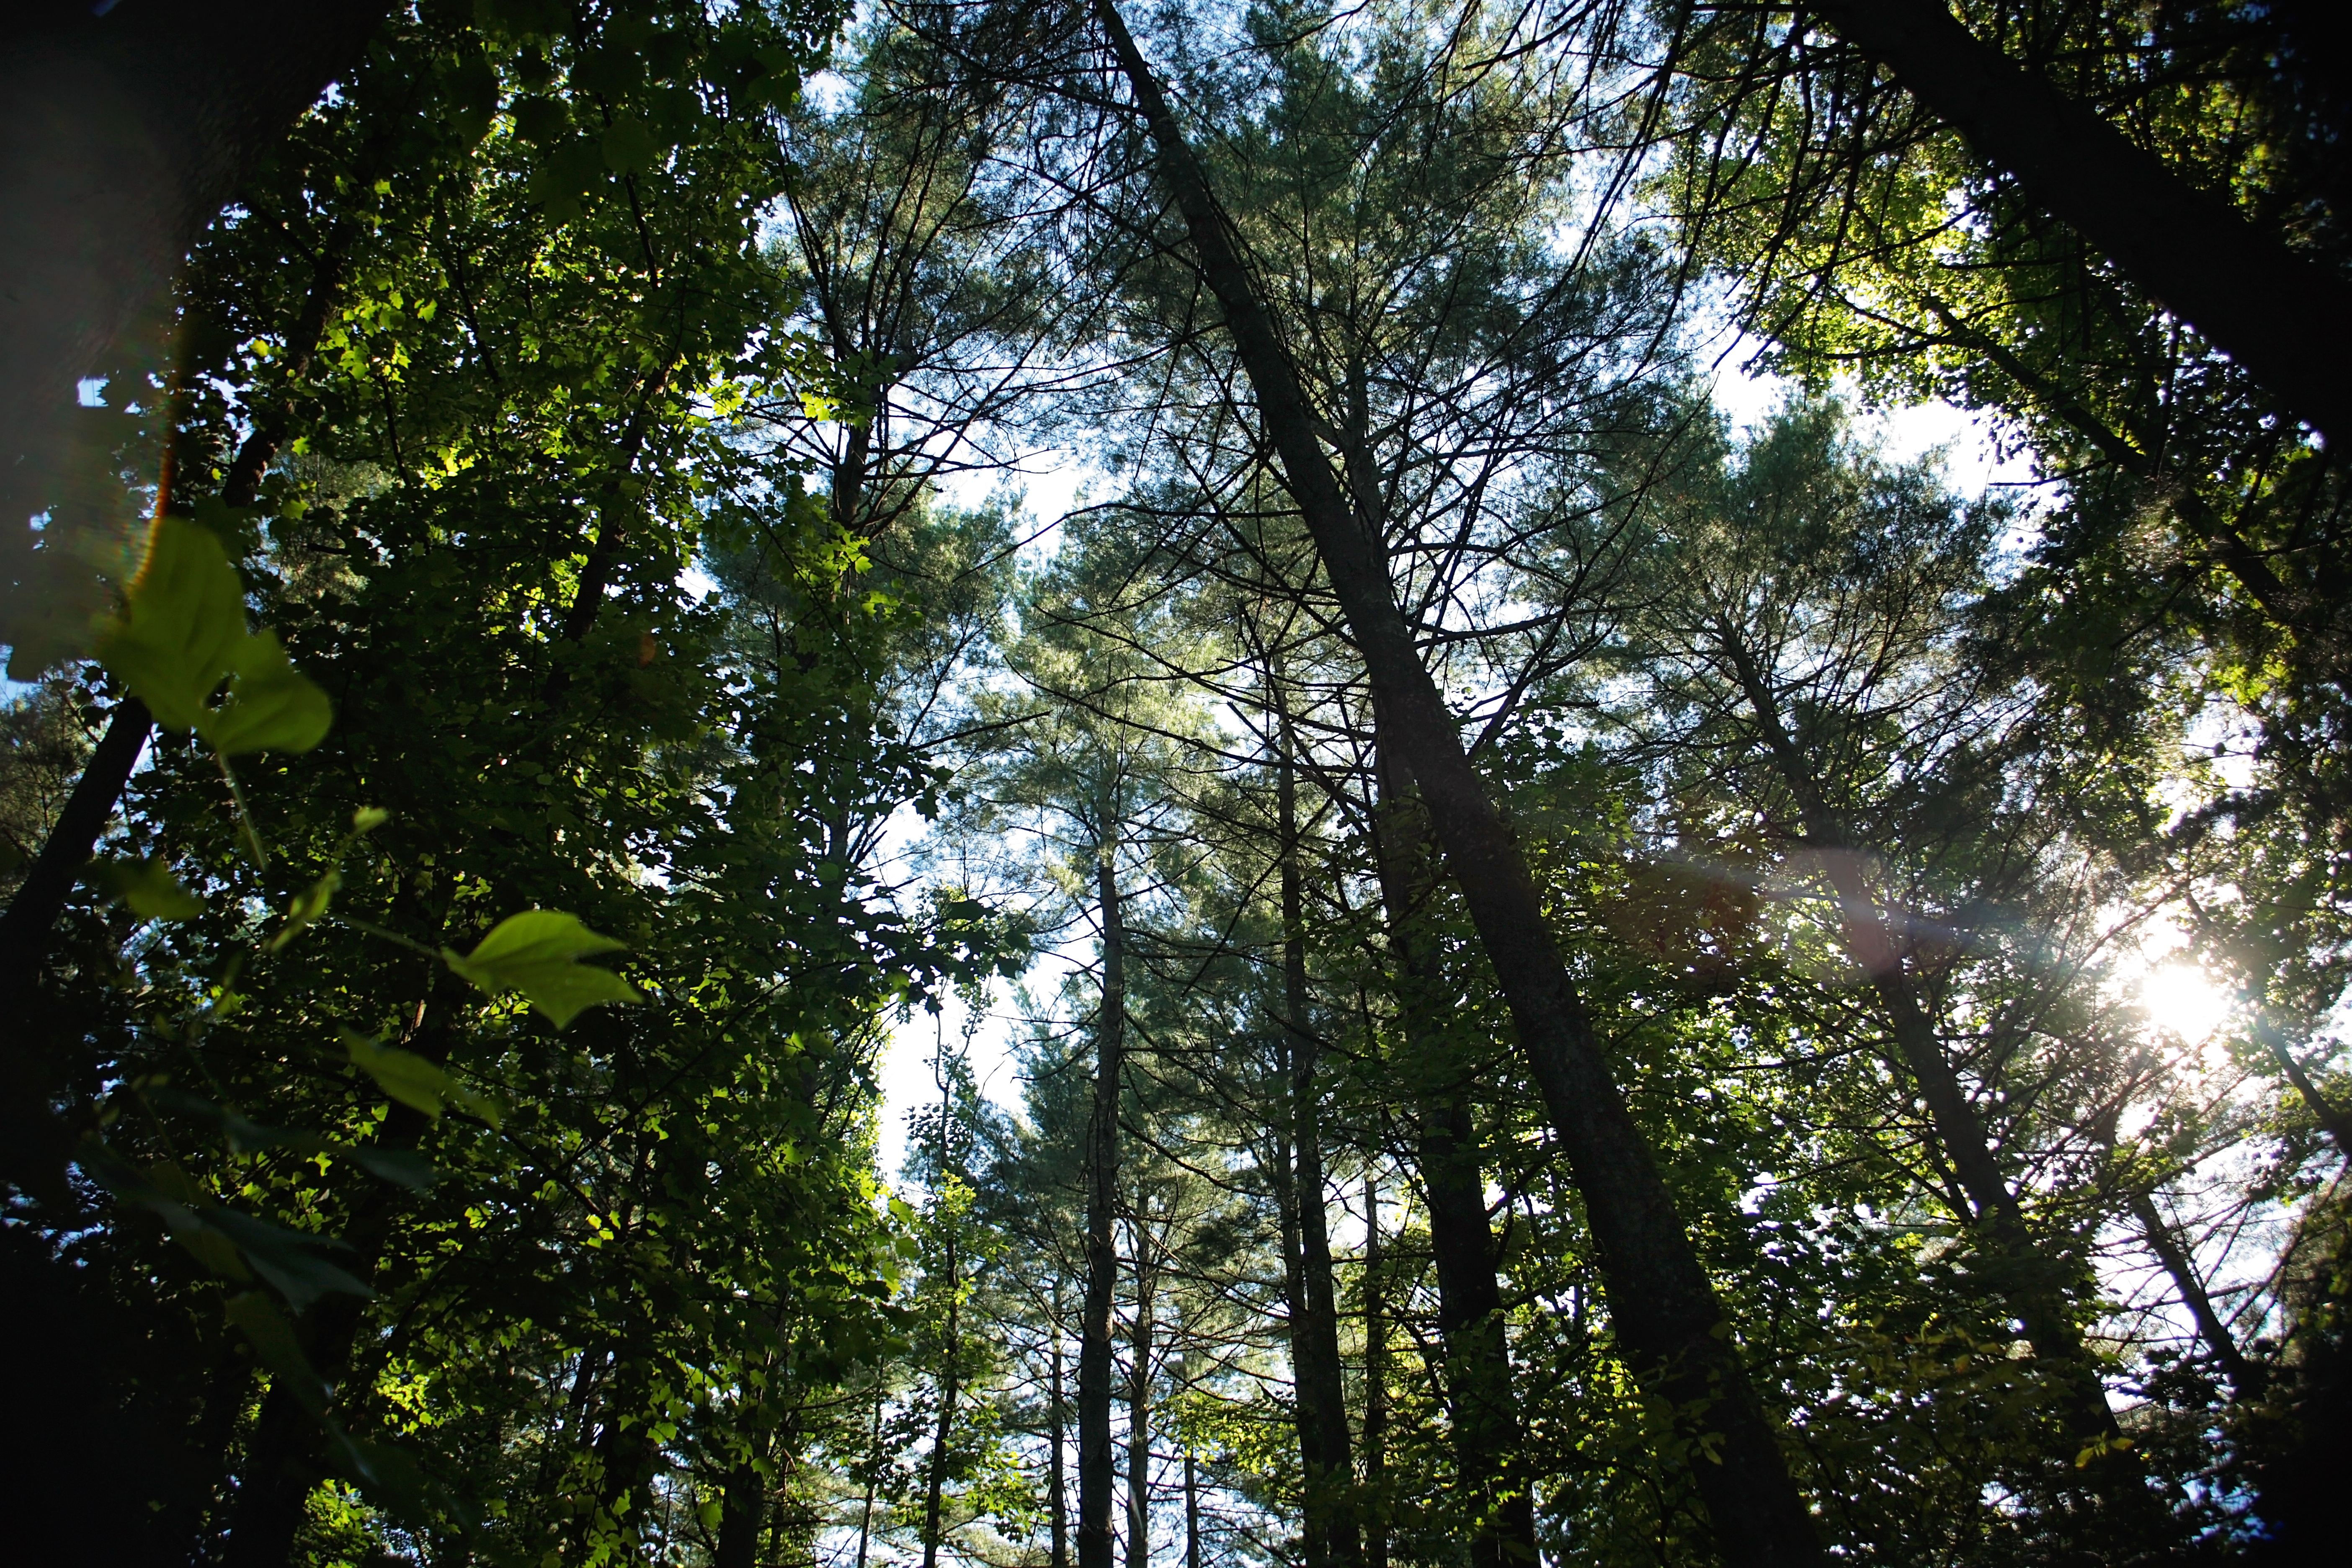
415, 1082
287, 1258
403, 1075
271, 706
368, 819
629, 146
538, 953
149, 890
180, 627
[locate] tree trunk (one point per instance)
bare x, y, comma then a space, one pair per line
935, 1483
2219, 1343
1057, 1497
1671, 1327
1138, 1391
1485, 1411
2283, 317
1095, 1456
33, 911
743, 1507
1374, 1512
1324, 1442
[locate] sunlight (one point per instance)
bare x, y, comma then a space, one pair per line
2183, 999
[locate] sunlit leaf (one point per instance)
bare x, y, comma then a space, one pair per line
538, 953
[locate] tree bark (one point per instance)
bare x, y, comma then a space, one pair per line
1057, 1498
743, 1505
1095, 1454
2282, 316
950, 1389
1374, 1511
1668, 1323
1325, 1444
1138, 1390
1484, 1406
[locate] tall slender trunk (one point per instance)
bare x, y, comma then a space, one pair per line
1192, 1510
950, 1389
2028, 1281
1095, 1456
1057, 1498
1485, 1411
2279, 314
1325, 1445
743, 1507
1139, 1389
1376, 1394
1672, 1329
873, 1472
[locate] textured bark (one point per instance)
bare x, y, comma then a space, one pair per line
1324, 1441
1374, 1515
121, 135
743, 1507
1057, 1497
2284, 318
1668, 1323
1140, 1350
1095, 1454
1479, 1385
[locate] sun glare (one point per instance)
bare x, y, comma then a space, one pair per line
2182, 998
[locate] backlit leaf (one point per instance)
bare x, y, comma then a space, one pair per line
149, 890
538, 953
271, 706
182, 621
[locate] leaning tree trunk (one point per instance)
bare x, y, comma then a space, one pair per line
2282, 316
1095, 1455
2028, 1280
1470, 1323
1668, 1323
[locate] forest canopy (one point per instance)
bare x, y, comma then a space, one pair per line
1531, 940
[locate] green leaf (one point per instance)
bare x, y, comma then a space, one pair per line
629, 146
307, 907
415, 1082
149, 890
271, 705
272, 1338
182, 621
287, 1258
538, 953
